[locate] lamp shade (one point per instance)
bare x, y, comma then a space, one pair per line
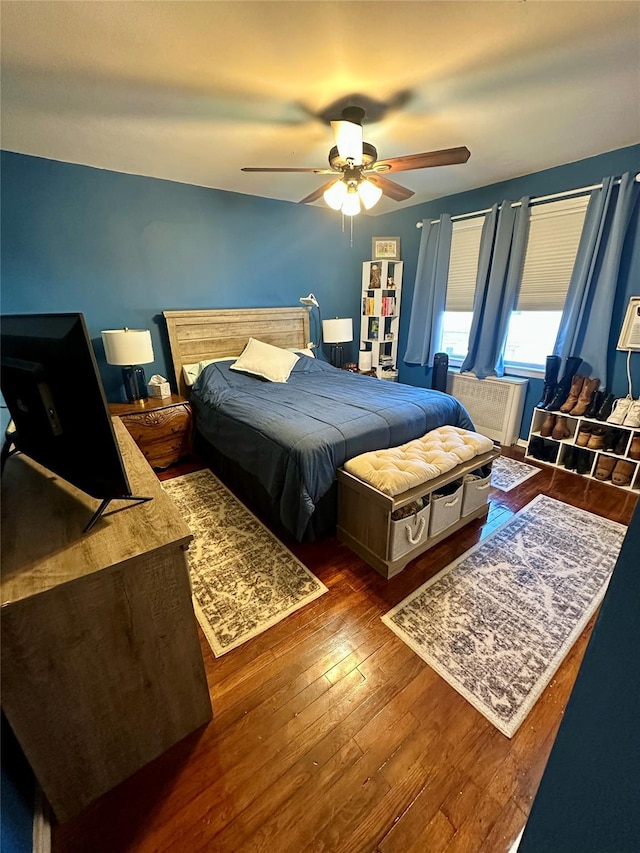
369, 193
309, 300
336, 194
348, 137
338, 331
128, 346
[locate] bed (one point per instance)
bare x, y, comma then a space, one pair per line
282, 442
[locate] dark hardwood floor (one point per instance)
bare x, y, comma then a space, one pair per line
330, 734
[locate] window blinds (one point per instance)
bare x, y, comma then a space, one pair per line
463, 264
554, 234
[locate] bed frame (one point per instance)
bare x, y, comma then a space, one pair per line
202, 334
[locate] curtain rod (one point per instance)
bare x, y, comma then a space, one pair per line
534, 200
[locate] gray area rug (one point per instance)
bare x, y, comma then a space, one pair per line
243, 578
497, 623
508, 473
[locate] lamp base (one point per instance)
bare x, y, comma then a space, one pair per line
135, 384
337, 355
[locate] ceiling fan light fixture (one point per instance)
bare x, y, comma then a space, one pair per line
351, 203
336, 194
348, 136
369, 193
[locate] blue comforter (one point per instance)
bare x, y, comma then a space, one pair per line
293, 436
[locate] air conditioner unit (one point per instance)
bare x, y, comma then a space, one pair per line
495, 404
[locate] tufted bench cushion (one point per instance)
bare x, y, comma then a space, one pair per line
398, 469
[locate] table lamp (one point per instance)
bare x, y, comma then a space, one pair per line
130, 348
337, 332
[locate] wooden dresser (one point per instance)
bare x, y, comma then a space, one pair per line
162, 428
101, 663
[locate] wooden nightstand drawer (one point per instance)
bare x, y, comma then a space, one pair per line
161, 429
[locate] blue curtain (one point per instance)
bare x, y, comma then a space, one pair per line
502, 251
430, 291
585, 327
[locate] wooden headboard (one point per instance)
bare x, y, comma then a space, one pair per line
198, 335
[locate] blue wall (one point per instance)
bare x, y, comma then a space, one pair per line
122, 248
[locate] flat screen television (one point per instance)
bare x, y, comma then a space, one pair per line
52, 388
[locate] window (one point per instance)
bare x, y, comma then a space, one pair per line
554, 234
461, 285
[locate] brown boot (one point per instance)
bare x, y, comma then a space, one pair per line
547, 426
622, 473
576, 387
596, 442
605, 467
589, 388
634, 450
561, 429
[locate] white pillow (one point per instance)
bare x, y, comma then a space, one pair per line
265, 360
190, 372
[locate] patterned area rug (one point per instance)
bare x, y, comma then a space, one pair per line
508, 473
244, 580
497, 622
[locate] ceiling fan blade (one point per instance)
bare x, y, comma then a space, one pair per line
390, 188
287, 169
316, 194
446, 157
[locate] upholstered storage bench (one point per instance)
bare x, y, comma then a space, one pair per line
397, 478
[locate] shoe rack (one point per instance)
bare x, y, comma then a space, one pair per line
559, 448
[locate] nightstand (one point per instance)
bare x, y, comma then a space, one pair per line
162, 428
371, 372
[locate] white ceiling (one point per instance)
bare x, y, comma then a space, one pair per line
193, 91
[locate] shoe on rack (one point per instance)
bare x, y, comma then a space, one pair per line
611, 437
584, 434
550, 452
596, 440
584, 461
569, 460
634, 450
550, 380
605, 467
605, 409
589, 388
547, 425
632, 418
595, 404
561, 430
620, 410
577, 384
621, 443
561, 391
622, 473
536, 447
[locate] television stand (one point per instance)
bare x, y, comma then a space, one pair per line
101, 662
105, 503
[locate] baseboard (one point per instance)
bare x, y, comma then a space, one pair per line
41, 823
522, 442
516, 843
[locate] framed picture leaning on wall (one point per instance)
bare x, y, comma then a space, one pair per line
385, 249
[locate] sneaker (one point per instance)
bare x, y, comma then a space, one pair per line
620, 410
632, 417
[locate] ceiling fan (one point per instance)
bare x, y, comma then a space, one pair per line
355, 162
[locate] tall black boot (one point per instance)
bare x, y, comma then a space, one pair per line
550, 380
561, 391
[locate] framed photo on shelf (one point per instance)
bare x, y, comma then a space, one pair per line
385, 249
